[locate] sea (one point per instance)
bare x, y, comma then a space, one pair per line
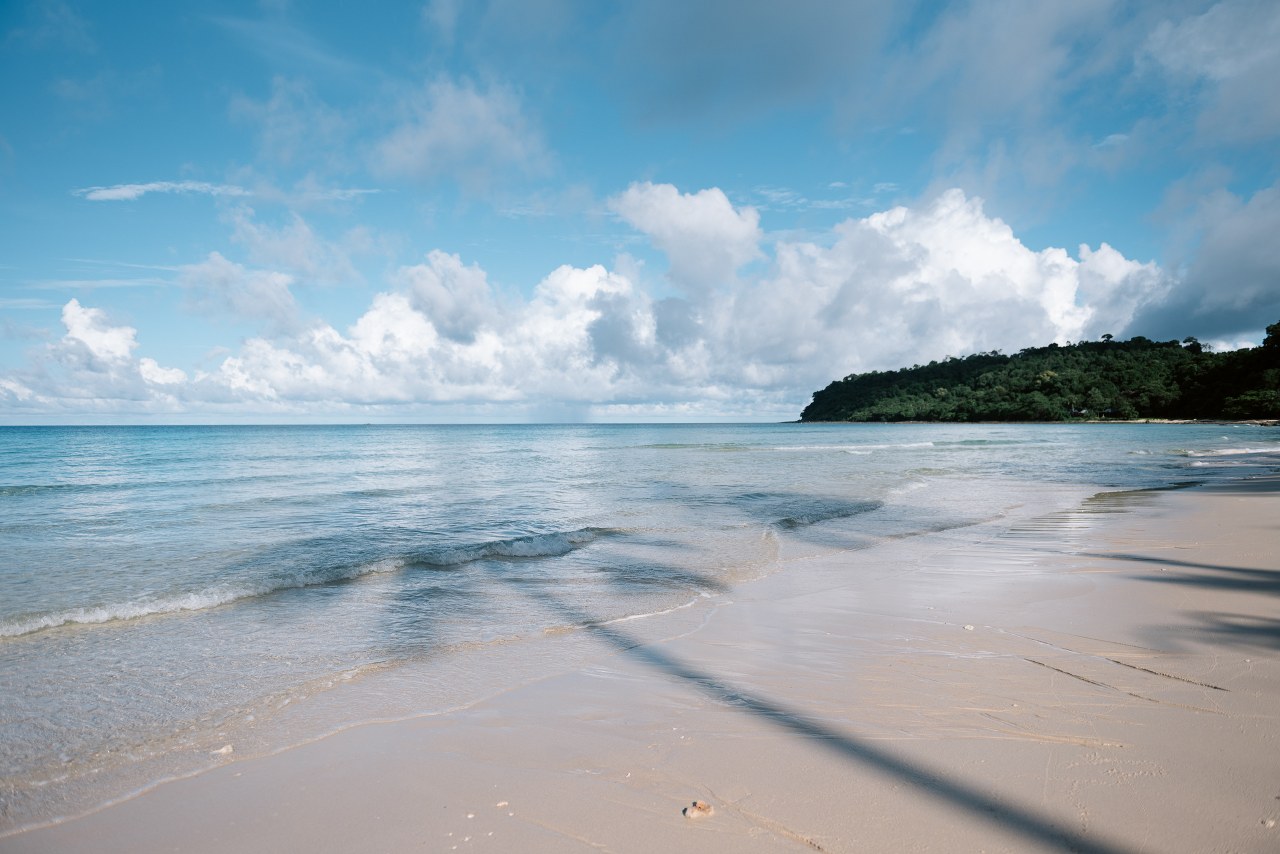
174, 598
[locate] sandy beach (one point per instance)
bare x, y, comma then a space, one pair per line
1101, 680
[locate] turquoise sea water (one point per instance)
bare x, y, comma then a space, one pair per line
165, 591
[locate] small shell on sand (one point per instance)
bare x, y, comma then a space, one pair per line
223, 751
697, 809
968, 628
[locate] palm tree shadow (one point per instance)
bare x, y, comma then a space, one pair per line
1240, 629
1025, 822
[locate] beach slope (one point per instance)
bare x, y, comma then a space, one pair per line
1105, 680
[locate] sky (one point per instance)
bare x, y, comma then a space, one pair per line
585, 210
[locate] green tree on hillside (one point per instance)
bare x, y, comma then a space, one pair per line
1107, 379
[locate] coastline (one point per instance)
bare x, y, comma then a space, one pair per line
1225, 422
1094, 680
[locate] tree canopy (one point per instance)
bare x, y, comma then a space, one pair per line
1087, 380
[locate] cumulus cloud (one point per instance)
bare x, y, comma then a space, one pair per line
394, 353
913, 284
92, 367
130, 192
89, 332
703, 236
456, 298
899, 286
903, 285
151, 371
455, 129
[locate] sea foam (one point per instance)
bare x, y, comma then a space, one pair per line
551, 544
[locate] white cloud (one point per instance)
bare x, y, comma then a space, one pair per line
152, 372
455, 298
904, 285
130, 192
457, 130
15, 389
912, 284
395, 353
102, 343
899, 286
90, 368
703, 236
219, 285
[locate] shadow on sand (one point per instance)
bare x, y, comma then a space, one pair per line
1250, 630
1034, 827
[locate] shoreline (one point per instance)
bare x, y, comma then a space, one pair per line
1225, 422
1114, 694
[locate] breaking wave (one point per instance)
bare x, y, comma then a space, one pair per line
1228, 452
533, 546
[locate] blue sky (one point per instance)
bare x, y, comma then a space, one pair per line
582, 210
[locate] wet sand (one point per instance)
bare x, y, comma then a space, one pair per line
1096, 681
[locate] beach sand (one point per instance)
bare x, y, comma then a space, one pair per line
1096, 681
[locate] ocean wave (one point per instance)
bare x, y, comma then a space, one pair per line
91, 487
1228, 452
980, 443
199, 600
825, 514
694, 446
533, 546
855, 449
39, 488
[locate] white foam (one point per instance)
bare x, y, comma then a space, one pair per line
702, 594
200, 600
1231, 452
538, 545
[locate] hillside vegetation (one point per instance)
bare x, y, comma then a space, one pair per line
1088, 380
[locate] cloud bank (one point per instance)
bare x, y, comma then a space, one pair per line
753, 327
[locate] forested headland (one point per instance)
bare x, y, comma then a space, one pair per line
1081, 381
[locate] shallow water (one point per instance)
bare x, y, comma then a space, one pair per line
166, 590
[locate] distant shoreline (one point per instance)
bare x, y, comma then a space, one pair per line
1226, 422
